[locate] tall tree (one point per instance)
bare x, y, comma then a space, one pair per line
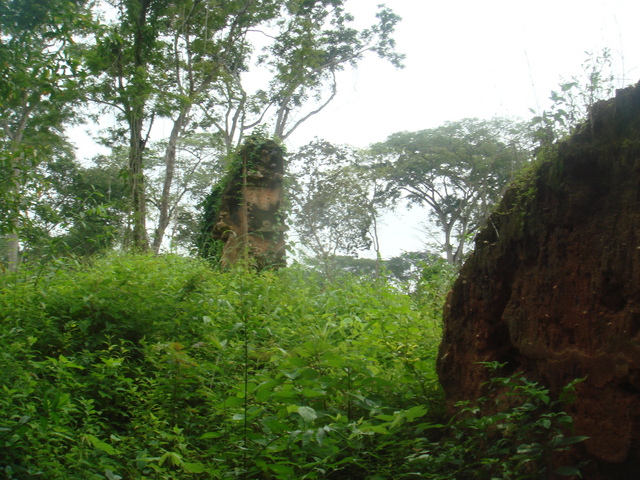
79, 211
304, 44
39, 79
162, 58
208, 45
199, 160
125, 61
334, 201
313, 43
458, 171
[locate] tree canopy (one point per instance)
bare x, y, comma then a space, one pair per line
162, 59
194, 64
40, 86
177, 85
335, 200
458, 171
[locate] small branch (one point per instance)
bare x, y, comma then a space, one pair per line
334, 91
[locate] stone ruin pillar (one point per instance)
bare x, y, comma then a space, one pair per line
249, 223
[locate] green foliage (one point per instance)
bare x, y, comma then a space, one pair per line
208, 247
522, 427
345, 264
161, 368
334, 202
187, 61
198, 161
140, 367
313, 41
458, 171
83, 215
572, 102
40, 86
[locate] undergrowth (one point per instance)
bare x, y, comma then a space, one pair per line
139, 367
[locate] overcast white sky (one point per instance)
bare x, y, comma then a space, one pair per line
471, 58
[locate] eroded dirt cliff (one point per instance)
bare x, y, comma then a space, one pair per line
249, 218
553, 287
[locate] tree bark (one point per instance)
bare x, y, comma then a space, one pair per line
137, 183
13, 238
170, 167
136, 110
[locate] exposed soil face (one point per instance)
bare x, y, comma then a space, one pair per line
249, 217
553, 287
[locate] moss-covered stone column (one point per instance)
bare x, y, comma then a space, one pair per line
244, 218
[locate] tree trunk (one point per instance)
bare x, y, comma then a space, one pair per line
170, 166
13, 239
448, 248
13, 249
140, 240
376, 242
459, 255
136, 111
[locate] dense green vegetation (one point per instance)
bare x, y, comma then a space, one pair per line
140, 367
127, 66
124, 366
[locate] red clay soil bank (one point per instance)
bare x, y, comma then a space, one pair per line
553, 287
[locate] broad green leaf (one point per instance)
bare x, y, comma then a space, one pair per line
233, 402
194, 467
374, 429
281, 469
285, 394
386, 418
170, 458
415, 412
67, 363
308, 413
309, 393
563, 442
100, 445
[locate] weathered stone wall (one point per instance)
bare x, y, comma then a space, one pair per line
553, 287
249, 219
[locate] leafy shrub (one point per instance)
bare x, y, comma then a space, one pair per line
164, 368
516, 442
138, 367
